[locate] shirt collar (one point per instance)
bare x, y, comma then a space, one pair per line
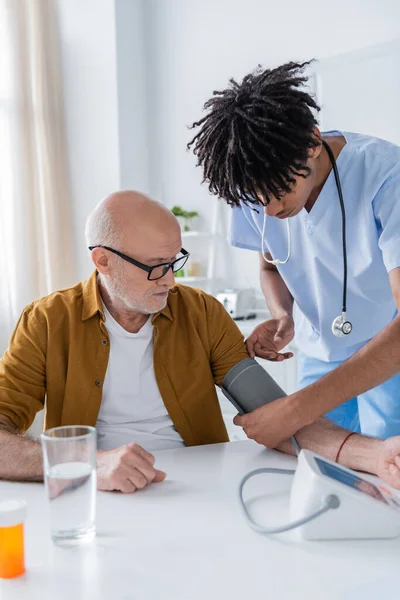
92, 303
166, 312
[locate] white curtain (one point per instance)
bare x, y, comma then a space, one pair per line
36, 248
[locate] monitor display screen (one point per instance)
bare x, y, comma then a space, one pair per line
349, 479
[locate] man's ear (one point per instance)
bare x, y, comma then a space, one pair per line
101, 260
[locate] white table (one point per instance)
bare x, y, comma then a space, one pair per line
186, 539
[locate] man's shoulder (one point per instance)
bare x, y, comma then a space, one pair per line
195, 308
194, 304
193, 298
58, 302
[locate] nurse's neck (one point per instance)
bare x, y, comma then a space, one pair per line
323, 167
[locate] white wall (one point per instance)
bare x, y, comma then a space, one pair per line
132, 94
103, 46
88, 45
197, 47
137, 72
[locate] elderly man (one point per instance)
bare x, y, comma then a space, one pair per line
137, 356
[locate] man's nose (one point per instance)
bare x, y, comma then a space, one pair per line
168, 279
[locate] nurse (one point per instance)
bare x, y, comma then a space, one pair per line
323, 211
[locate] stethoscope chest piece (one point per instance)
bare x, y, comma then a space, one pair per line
341, 326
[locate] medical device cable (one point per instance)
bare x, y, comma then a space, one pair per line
330, 502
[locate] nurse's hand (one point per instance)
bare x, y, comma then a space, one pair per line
388, 466
270, 424
270, 337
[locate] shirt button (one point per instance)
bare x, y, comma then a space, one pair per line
104, 342
98, 382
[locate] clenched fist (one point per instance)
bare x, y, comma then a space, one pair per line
126, 469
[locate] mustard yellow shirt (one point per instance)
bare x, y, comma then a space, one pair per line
58, 356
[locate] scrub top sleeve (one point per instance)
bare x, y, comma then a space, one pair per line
243, 232
386, 207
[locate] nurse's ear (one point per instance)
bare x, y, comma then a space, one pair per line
315, 151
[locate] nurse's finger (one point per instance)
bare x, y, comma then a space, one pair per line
273, 356
269, 355
281, 356
250, 346
238, 420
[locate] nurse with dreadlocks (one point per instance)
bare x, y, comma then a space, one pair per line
323, 211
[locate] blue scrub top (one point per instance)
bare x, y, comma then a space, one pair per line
369, 170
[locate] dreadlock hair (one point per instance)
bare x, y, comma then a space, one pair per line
257, 134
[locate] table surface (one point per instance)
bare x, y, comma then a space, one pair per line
186, 539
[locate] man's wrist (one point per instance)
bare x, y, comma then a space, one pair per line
361, 453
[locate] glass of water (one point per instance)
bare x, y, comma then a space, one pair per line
69, 459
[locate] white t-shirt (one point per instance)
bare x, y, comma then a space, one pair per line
132, 409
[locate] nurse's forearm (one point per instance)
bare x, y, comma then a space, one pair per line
325, 438
277, 295
374, 363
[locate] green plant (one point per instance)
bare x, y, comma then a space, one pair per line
178, 211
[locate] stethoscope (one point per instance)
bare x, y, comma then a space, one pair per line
340, 326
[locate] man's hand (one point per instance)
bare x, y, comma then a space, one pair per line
388, 462
126, 469
270, 424
270, 337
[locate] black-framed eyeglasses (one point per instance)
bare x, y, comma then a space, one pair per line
156, 272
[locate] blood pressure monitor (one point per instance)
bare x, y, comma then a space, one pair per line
327, 501
330, 502
364, 509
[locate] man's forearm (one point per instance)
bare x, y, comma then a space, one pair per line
373, 364
20, 458
277, 295
325, 438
